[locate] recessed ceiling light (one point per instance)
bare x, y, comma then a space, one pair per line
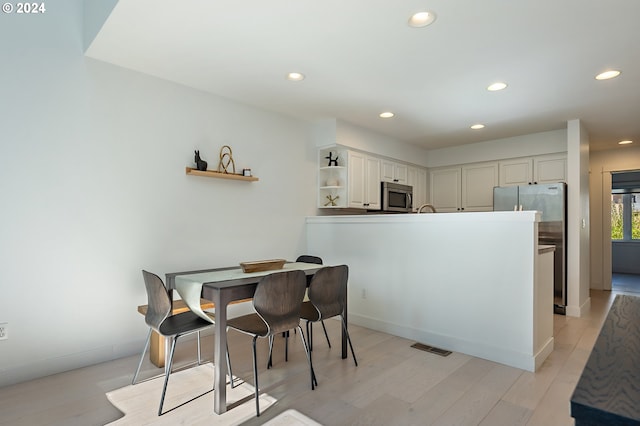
607, 75
496, 86
421, 19
386, 114
295, 76
624, 142
477, 126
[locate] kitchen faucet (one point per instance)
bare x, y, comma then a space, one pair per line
433, 209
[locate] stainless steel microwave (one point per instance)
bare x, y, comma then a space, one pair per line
396, 197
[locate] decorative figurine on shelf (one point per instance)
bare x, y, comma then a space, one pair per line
226, 158
200, 163
332, 161
333, 182
332, 200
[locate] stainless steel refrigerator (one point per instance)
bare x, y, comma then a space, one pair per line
551, 201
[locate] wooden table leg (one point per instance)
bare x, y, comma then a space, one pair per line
156, 350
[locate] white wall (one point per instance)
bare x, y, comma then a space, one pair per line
93, 188
602, 163
578, 252
446, 279
331, 131
498, 149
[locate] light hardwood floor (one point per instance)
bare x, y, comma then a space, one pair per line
394, 384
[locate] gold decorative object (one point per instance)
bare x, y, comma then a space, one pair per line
332, 200
226, 159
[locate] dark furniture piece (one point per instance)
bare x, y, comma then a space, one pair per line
159, 319
277, 301
305, 258
157, 345
327, 299
608, 392
314, 259
222, 286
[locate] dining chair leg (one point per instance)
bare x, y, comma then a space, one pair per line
314, 382
344, 326
144, 351
229, 368
270, 361
231, 380
168, 373
286, 347
308, 326
255, 375
325, 332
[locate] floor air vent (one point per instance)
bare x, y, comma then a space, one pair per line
431, 349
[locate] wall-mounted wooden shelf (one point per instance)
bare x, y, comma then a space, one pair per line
211, 173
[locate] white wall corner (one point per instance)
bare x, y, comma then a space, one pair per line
578, 250
95, 14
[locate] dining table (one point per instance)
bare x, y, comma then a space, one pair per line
223, 286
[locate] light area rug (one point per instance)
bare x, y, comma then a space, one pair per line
139, 402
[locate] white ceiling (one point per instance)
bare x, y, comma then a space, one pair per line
361, 58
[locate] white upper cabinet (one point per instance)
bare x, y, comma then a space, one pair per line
465, 188
364, 181
516, 172
550, 168
372, 183
531, 170
445, 189
478, 181
394, 172
417, 178
354, 180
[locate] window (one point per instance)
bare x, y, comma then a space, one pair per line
625, 216
635, 216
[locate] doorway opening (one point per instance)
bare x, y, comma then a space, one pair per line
625, 231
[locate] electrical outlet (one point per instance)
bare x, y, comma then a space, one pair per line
4, 330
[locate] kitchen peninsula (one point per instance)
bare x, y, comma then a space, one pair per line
476, 283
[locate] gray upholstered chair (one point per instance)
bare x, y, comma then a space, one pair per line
327, 299
277, 302
160, 320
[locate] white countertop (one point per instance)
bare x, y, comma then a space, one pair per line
507, 216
